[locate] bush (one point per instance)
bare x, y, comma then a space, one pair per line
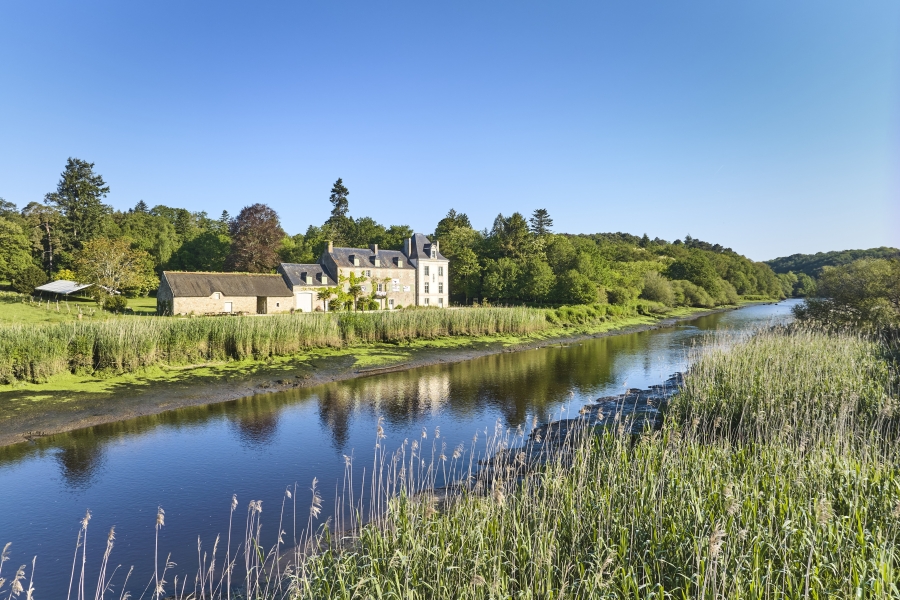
621, 295
25, 281
115, 303
688, 294
658, 289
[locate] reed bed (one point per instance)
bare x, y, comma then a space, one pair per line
36, 352
689, 511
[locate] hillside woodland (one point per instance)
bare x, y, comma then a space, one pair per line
73, 234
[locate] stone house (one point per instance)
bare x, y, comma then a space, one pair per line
217, 293
418, 275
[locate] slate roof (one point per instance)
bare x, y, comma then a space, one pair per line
200, 285
421, 248
366, 256
62, 286
294, 273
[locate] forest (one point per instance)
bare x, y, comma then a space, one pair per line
74, 234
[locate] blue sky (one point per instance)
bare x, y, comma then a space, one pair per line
772, 127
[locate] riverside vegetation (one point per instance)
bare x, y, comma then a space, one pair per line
776, 474
35, 353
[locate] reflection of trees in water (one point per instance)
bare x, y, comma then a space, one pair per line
257, 424
517, 384
80, 460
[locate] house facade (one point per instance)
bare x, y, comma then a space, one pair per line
417, 275
222, 293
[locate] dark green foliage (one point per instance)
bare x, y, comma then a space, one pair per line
27, 279
78, 197
115, 303
15, 251
812, 264
540, 222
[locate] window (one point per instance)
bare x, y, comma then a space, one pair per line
440, 288
368, 273
380, 287
391, 302
217, 296
426, 270
433, 252
277, 304
440, 271
426, 287
441, 301
426, 301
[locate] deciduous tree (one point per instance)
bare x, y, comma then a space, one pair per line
256, 236
114, 267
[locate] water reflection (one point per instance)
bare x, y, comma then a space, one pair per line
79, 461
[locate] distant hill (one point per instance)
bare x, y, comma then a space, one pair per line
812, 264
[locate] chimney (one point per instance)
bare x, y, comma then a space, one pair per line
330, 246
407, 246
374, 248
437, 246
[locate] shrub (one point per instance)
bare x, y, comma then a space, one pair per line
688, 294
658, 289
25, 281
115, 303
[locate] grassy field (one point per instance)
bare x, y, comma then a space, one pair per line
20, 309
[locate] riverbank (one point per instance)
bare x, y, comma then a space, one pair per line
69, 402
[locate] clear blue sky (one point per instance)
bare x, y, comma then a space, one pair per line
772, 127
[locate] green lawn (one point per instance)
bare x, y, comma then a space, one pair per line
19, 309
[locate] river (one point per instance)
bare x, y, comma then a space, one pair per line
191, 461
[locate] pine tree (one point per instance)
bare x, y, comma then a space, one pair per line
78, 196
338, 199
541, 222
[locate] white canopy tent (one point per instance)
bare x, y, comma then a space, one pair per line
62, 286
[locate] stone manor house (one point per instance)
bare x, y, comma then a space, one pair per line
417, 275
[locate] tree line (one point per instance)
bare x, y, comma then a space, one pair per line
73, 234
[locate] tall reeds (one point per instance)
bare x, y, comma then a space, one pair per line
36, 352
797, 498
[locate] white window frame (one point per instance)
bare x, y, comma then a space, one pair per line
426, 270
427, 288
426, 301
441, 287
217, 295
440, 271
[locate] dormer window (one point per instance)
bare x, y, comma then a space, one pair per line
354, 259
217, 295
399, 262
433, 252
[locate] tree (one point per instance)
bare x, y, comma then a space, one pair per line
114, 267
325, 295
340, 204
541, 222
501, 279
451, 222
536, 279
354, 286
141, 207
78, 196
464, 272
15, 252
576, 288
863, 294
697, 269
256, 236
44, 222
206, 252
658, 289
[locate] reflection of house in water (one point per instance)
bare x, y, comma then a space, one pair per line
434, 391
257, 428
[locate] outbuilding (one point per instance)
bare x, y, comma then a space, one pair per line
222, 293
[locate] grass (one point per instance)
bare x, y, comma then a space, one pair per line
37, 353
20, 309
775, 475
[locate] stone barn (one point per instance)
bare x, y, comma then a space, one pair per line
222, 293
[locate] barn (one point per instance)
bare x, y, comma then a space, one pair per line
222, 293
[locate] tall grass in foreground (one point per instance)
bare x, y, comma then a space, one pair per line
799, 497
37, 352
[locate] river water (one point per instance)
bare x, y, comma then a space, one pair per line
191, 461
